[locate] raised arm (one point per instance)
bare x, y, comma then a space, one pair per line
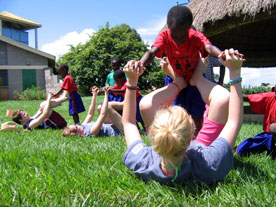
94, 90
40, 118
149, 56
230, 131
133, 70
98, 124
212, 50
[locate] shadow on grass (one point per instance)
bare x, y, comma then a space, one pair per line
244, 171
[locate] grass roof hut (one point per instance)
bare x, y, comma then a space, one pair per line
246, 25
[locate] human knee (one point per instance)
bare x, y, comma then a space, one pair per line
99, 107
145, 104
220, 96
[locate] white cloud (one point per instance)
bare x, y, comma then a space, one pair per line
153, 29
148, 34
62, 45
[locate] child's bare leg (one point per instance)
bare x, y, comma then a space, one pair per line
76, 118
213, 95
162, 97
117, 106
115, 118
56, 102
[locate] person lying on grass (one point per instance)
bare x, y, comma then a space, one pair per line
173, 155
44, 118
98, 128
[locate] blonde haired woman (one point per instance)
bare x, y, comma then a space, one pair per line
174, 156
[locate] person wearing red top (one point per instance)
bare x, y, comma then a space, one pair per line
183, 57
261, 103
183, 47
70, 91
116, 100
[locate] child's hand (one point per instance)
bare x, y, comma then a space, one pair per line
236, 52
233, 59
106, 90
133, 69
51, 92
50, 95
94, 90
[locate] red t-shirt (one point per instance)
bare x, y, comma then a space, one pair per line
183, 57
138, 93
264, 103
69, 84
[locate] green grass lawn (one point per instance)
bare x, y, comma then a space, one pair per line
42, 168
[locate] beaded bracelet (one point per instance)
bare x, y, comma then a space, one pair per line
237, 80
131, 87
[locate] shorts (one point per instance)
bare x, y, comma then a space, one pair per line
260, 143
189, 98
209, 132
56, 121
75, 104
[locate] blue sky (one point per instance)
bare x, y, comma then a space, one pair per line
69, 22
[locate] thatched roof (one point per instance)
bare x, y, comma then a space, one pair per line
211, 13
246, 25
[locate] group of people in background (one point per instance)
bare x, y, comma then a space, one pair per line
192, 122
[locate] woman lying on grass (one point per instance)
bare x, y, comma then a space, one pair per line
98, 128
44, 118
173, 155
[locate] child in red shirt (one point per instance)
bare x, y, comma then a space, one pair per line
71, 91
116, 100
183, 46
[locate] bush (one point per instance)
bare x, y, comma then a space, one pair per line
254, 90
251, 89
30, 94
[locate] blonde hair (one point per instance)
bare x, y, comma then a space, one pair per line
171, 131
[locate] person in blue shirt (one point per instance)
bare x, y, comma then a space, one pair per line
97, 128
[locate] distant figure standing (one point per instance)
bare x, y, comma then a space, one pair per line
71, 91
116, 64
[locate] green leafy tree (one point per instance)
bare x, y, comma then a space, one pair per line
90, 63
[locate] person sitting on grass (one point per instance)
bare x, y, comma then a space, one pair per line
98, 128
43, 119
116, 99
173, 155
261, 103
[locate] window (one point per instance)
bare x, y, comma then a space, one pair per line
3, 77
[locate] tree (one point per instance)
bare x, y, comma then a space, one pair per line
90, 63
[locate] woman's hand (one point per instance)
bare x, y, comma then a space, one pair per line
94, 90
232, 59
